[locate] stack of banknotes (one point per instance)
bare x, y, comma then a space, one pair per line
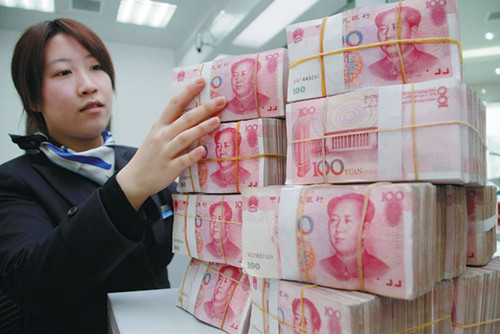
208, 227
216, 294
280, 306
476, 307
366, 46
247, 150
394, 240
254, 85
239, 155
375, 96
429, 131
482, 214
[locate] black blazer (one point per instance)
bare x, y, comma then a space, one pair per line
65, 242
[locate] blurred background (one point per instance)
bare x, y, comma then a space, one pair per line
147, 42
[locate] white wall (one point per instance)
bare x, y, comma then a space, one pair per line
11, 120
143, 82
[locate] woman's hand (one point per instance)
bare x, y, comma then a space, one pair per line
159, 160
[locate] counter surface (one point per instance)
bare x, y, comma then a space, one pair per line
152, 312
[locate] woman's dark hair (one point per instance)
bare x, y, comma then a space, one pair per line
28, 63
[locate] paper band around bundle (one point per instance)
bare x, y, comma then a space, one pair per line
483, 225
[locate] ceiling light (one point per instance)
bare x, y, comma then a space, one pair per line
485, 52
483, 91
489, 36
224, 23
497, 70
40, 5
145, 12
271, 21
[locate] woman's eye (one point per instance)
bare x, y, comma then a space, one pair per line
62, 73
96, 67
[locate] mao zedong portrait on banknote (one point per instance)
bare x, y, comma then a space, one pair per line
305, 317
345, 214
414, 60
243, 73
225, 141
220, 216
219, 305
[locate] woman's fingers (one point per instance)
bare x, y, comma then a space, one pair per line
177, 103
195, 116
161, 157
185, 160
189, 136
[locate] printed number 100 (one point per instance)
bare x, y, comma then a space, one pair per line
253, 265
298, 90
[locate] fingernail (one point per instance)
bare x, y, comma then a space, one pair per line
199, 81
214, 122
219, 101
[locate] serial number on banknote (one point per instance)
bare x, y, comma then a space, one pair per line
306, 78
260, 256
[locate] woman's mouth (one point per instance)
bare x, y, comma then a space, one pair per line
92, 106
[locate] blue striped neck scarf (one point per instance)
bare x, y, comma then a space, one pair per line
97, 164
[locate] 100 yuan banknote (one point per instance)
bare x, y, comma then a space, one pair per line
337, 237
372, 58
284, 307
239, 155
208, 227
216, 294
421, 131
254, 85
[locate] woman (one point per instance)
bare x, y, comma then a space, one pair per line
80, 216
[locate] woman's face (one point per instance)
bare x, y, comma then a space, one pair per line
77, 94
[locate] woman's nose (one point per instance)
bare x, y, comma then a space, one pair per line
86, 86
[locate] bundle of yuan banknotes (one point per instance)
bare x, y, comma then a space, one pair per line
208, 227
476, 307
280, 306
482, 214
254, 85
239, 155
216, 294
429, 131
366, 46
292, 225
394, 240
224, 297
